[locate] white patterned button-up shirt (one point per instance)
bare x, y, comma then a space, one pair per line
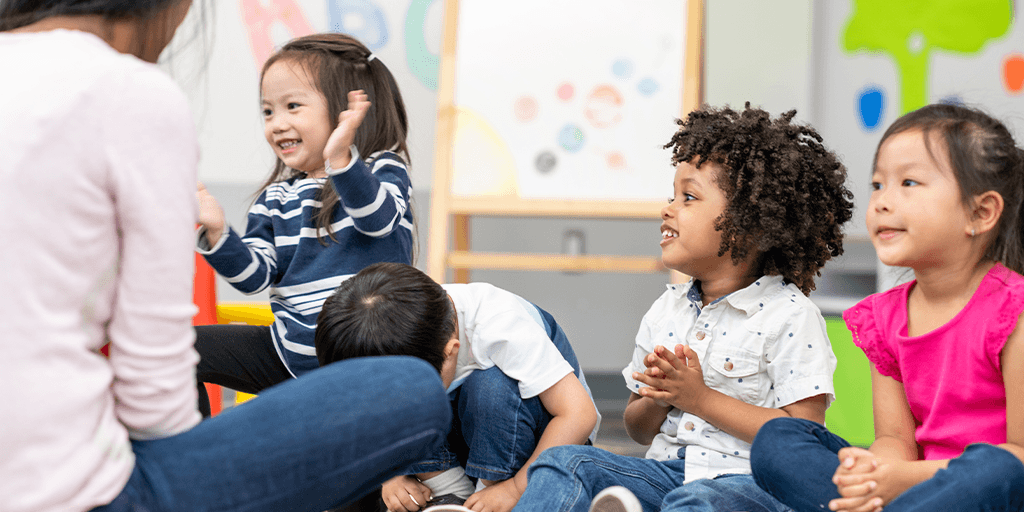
765, 345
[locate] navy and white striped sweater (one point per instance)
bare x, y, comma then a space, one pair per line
280, 248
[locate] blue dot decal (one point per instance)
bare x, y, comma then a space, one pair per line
741, 380
647, 86
622, 68
815, 387
872, 106
571, 138
669, 335
808, 346
790, 335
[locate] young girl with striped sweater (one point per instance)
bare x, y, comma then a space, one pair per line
336, 201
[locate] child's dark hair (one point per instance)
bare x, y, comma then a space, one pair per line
337, 64
386, 309
787, 195
984, 157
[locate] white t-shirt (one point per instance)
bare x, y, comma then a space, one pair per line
765, 345
499, 328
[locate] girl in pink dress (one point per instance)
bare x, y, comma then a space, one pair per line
947, 349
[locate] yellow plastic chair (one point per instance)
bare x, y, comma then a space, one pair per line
244, 313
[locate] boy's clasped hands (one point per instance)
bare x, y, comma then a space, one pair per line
675, 378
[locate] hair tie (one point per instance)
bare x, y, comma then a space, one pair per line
370, 58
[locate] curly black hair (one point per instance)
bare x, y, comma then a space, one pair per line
787, 195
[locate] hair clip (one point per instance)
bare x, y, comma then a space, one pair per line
370, 58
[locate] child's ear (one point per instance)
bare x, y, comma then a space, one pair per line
988, 209
452, 348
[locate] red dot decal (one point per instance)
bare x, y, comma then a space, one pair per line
1013, 73
565, 91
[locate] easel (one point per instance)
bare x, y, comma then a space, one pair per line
448, 244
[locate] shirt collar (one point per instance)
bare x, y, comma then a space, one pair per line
750, 299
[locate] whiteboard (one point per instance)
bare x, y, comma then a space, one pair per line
567, 99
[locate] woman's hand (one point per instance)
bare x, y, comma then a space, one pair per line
404, 494
211, 215
337, 149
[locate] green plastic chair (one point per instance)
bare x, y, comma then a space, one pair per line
850, 416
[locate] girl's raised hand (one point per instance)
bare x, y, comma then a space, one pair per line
337, 149
211, 215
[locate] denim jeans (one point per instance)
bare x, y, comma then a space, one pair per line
308, 444
494, 430
794, 459
566, 478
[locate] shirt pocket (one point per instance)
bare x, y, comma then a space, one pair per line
736, 372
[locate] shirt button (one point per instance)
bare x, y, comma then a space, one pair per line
728, 365
700, 335
688, 425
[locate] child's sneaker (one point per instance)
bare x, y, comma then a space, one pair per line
446, 503
447, 508
615, 499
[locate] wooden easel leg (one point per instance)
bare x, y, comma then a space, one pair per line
461, 239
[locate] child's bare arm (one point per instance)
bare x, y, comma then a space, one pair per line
676, 378
1012, 361
573, 419
643, 418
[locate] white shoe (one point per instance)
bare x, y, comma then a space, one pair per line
447, 508
615, 499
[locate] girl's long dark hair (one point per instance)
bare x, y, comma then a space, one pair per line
984, 157
337, 64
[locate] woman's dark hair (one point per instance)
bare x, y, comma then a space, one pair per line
387, 309
337, 64
984, 157
19, 13
786, 192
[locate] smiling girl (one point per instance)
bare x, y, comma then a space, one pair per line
336, 201
946, 348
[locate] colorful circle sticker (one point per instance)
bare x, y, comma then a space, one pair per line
565, 91
525, 109
545, 162
570, 137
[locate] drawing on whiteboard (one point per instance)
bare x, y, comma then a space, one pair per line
583, 115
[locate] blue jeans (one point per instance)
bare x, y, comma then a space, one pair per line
794, 459
566, 478
494, 430
308, 444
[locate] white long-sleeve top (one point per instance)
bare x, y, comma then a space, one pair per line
98, 161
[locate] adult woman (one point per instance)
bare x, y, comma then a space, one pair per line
98, 165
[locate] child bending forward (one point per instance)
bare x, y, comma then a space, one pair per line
756, 210
514, 383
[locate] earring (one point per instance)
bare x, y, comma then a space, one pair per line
972, 232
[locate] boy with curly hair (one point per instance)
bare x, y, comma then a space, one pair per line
757, 209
